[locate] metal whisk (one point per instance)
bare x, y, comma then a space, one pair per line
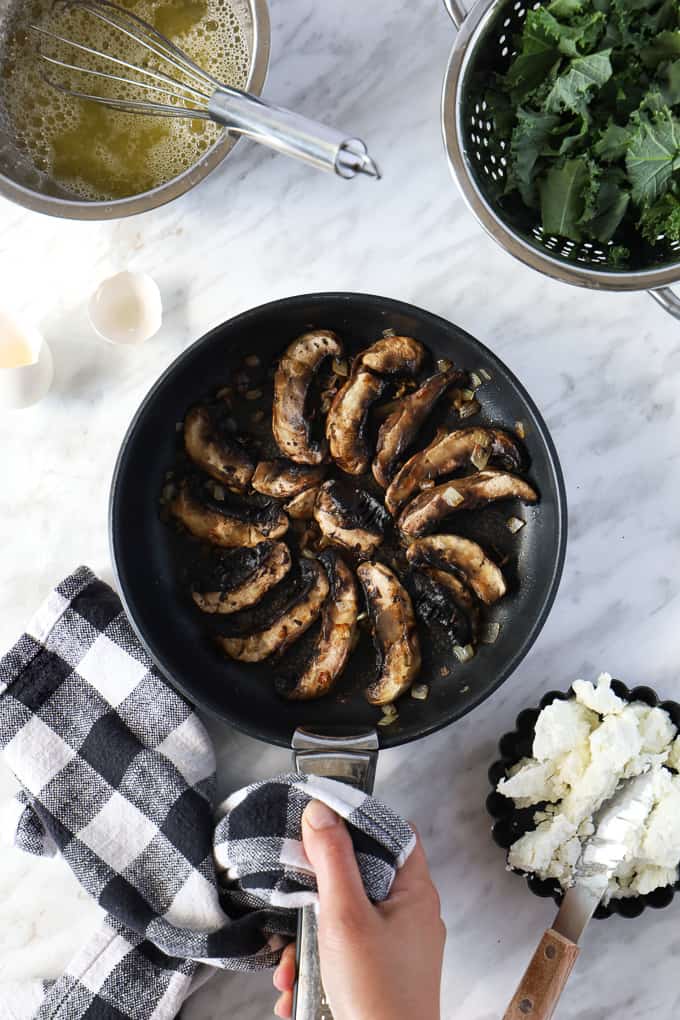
195, 94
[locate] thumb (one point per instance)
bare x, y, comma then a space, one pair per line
329, 848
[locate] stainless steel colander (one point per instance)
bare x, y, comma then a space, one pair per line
478, 160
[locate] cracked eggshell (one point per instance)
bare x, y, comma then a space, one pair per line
126, 309
26, 367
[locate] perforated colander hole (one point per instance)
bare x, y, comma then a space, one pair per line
502, 38
493, 159
485, 143
484, 106
505, 51
476, 107
502, 144
506, 22
504, 161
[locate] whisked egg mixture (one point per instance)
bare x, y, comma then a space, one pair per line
95, 152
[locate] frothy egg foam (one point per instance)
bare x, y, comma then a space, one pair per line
95, 152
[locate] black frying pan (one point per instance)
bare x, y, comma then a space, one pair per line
170, 627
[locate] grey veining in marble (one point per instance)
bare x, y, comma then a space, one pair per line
604, 369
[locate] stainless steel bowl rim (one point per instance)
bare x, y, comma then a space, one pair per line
81, 209
473, 24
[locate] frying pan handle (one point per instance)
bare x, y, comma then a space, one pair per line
665, 297
352, 760
456, 12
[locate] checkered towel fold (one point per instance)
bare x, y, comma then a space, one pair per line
118, 776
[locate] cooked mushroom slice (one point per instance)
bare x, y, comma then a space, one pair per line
301, 507
336, 640
444, 599
394, 632
464, 557
392, 355
425, 511
283, 479
350, 518
448, 452
229, 524
292, 623
213, 446
399, 430
242, 577
290, 416
346, 420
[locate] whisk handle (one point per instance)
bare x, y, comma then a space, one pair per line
291, 134
455, 11
667, 299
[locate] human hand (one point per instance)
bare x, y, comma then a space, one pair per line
378, 961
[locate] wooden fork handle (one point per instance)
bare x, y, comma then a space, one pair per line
544, 979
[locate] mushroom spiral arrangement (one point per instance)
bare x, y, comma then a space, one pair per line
340, 511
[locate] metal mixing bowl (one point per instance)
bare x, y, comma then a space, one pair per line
477, 158
22, 183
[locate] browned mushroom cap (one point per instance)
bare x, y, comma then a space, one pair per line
242, 577
392, 355
228, 523
462, 556
337, 637
290, 420
448, 452
212, 446
292, 623
429, 508
394, 632
346, 420
399, 430
350, 518
444, 599
282, 479
301, 507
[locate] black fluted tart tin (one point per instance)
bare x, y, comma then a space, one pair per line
511, 822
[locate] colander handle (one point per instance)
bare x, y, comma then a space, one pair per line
456, 12
665, 297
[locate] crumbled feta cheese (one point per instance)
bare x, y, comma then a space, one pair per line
600, 698
583, 748
534, 851
560, 727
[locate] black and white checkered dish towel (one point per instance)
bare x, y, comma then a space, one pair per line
118, 776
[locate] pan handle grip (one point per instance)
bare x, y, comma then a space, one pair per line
456, 12
543, 983
665, 297
351, 760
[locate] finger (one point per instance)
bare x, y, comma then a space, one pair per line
329, 849
414, 872
284, 1006
284, 975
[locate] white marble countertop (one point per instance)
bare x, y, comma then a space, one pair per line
604, 369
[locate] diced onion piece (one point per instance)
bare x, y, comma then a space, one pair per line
388, 709
475, 380
427, 484
387, 720
480, 456
452, 496
467, 395
340, 366
489, 633
463, 652
308, 553
469, 408
443, 364
520, 430
420, 692
362, 616
514, 524
486, 376
389, 332
218, 492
